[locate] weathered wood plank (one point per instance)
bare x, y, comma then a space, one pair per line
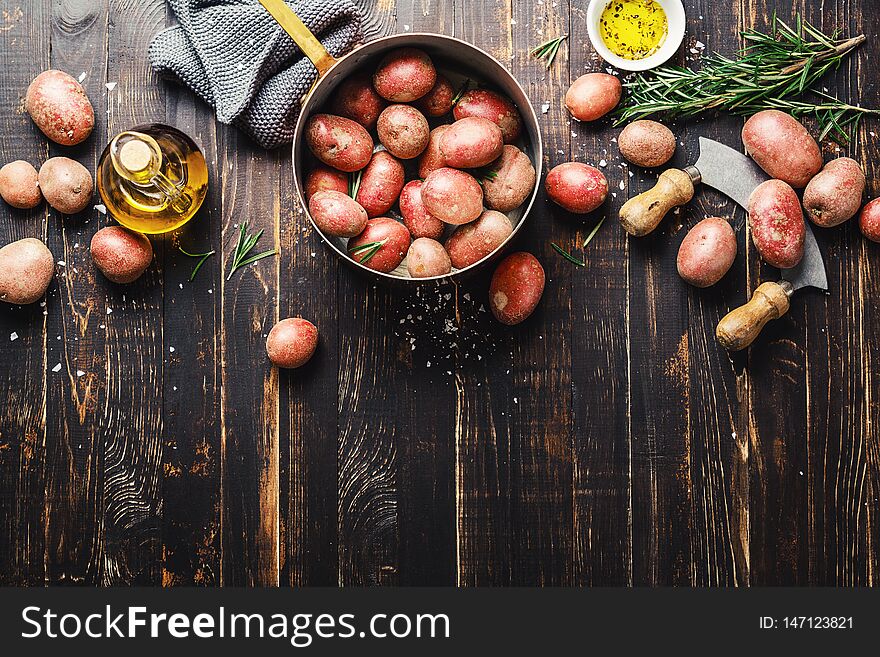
24, 47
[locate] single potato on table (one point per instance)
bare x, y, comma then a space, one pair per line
647, 143
121, 254
337, 214
869, 220
66, 184
516, 288
452, 196
494, 107
834, 195
509, 180
381, 183
381, 246
416, 217
339, 142
404, 131
471, 142
20, 185
782, 147
577, 187
426, 258
707, 252
292, 342
323, 178
59, 106
592, 96
474, 241
777, 224
405, 75
26, 269
356, 99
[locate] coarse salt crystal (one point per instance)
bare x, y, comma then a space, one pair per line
13, 336
82, 76
57, 368
80, 373
545, 108
101, 208
110, 86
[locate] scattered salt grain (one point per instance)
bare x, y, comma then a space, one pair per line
57, 368
61, 263
101, 208
171, 349
603, 163
110, 86
82, 76
80, 373
622, 185
13, 336
545, 108
109, 311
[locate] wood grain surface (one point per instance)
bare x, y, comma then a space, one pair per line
144, 438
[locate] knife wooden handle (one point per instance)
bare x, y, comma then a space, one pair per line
741, 326
643, 213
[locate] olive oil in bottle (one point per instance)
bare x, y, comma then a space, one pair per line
152, 178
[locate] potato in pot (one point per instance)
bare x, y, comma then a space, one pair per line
26, 269
516, 288
432, 159
416, 217
337, 214
471, 142
403, 130
405, 75
381, 183
381, 246
509, 180
452, 196
122, 255
777, 224
782, 147
59, 106
20, 185
339, 142
438, 101
592, 96
323, 178
834, 195
494, 107
707, 252
356, 99
474, 241
577, 187
426, 258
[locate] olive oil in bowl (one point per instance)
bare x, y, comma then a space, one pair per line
633, 29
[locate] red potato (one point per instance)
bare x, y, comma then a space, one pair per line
337, 214
405, 75
471, 142
647, 143
513, 180
26, 269
20, 185
403, 130
387, 256
834, 195
592, 96
356, 99
438, 101
381, 183
427, 257
432, 159
782, 147
498, 109
339, 142
59, 106
474, 241
577, 187
122, 255
707, 252
777, 224
66, 184
516, 288
416, 217
869, 220
292, 342
452, 196
323, 178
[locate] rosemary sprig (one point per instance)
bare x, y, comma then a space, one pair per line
548, 49
466, 85
485, 173
769, 72
354, 183
593, 232
201, 256
369, 249
565, 254
245, 245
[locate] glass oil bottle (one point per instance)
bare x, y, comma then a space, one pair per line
152, 178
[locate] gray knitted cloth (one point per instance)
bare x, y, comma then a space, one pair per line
235, 56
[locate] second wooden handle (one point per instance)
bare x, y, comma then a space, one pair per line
741, 326
642, 214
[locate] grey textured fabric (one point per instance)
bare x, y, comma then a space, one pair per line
235, 56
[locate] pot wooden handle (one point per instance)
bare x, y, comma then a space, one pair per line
307, 42
642, 214
741, 326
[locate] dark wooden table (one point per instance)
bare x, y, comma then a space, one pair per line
145, 439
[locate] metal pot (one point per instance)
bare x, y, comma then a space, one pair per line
457, 60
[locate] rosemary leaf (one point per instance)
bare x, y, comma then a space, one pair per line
461, 92
369, 250
593, 232
202, 257
354, 183
246, 243
548, 50
565, 254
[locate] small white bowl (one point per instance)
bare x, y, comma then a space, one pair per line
674, 36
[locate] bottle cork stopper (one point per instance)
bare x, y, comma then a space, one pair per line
135, 155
